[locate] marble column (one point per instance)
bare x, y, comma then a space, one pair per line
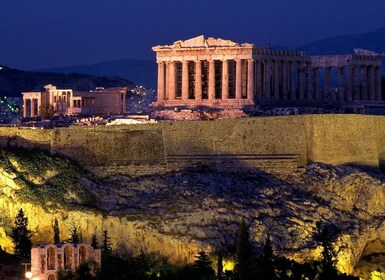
284, 80
24, 107
268, 79
378, 84
301, 80
309, 82
185, 80
293, 86
355, 83
340, 81
327, 83
211, 79
349, 83
161, 81
32, 108
276, 79
259, 79
316, 77
225, 79
198, 80
171, 83
250, 79
238, 77
372, 83
364, 83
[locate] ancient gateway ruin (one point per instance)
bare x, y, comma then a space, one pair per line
217, 73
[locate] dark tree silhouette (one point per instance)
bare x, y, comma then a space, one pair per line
106, 245
94, 242
74, 237
202, 266
220, 266
22, 237
242, 268
56, 231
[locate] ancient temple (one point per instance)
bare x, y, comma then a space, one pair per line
207, 72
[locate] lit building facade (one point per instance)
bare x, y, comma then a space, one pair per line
101, 102
47, 260
217, 73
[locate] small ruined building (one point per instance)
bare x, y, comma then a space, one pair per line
47, 260
221, 74
100, 102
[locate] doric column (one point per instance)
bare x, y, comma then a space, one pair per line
309, 81
185, 80
39, 105
225, 79
32, 108
327, 83
259, 79
349, 83
372, 83
355, 83
211, 79
364, 83
250, 79
238, 77
171, 80
268, 79
340, 82
301, 82
284, 80
276, 79
293, 86
161, 96
378, 84
24, 107
316, 77
198, 80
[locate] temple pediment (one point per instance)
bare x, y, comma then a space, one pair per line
201, 42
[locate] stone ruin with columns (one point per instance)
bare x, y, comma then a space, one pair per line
215, 74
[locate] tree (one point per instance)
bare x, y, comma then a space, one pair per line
94, 242
22, 237
74, 237
242, 268
56, 231
106, 245
220, 266
202, 266
324, 237
267, 262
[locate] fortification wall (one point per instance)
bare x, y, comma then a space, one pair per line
257, 142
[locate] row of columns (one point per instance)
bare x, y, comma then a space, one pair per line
353, 83
276, 79
32, 112
168, 90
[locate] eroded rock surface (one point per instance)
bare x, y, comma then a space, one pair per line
178, 213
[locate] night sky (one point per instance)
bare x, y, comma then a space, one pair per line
52, 33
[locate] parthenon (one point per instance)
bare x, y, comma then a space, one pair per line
219, 73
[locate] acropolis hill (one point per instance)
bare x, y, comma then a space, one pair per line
189, 200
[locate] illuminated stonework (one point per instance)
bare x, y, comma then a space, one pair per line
216, 73
68, 102
47, 260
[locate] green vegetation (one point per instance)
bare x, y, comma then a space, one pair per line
22, 237
44, 179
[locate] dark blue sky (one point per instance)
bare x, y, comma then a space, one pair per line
51, 33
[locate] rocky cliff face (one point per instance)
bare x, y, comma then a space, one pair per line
178, 213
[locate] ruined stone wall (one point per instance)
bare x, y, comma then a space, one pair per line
259, 142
